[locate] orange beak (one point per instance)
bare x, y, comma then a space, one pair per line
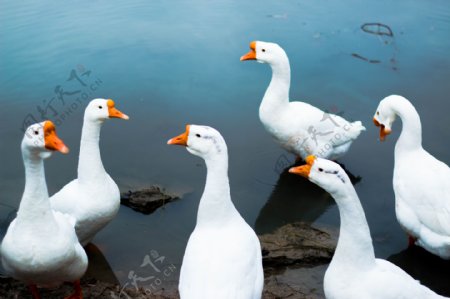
52, 141
181, 139
383, 131
115, 113
252, 54
304, 170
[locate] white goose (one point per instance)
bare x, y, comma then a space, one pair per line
421, 182
93, 199
354, 272
40, 247
223, 255
298, 127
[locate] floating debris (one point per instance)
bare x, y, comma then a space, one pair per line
377, 29
278, 16
356, 55
386, 35
147, 200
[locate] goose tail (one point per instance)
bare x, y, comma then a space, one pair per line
356, 128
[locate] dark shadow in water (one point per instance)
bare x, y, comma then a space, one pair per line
99, 268
11, 213
294, 199
429, 269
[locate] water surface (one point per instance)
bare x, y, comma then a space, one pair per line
168, 63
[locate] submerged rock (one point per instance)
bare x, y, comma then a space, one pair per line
295, 258
300, 283
297, 245
147, 200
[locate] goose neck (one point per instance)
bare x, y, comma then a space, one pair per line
35, 205
90, 166
277, 94
215, 205
411, 135
354, 248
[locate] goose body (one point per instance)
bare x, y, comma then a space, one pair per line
298, 127
40, 247
420, 181
222, 259
354, 272
93, 198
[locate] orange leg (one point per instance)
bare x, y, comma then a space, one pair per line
78, 294
34, 291
411, 241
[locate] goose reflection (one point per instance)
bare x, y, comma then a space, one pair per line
294, 199
429, 269
99, 268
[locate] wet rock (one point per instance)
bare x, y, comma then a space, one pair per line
147, 200
295, 258
297, 245
92, 289
300, 283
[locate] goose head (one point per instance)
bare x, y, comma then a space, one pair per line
102, 109
324, 173
384, 117
265, 52
41, 139
202, 141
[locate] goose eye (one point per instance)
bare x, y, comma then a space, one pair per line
36, 132
100, 107
378, 112
264, 50
335, 172
320, 169
198, 135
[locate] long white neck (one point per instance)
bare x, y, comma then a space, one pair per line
277, 94
411, 136
215, 205
35, 206
90, 166
354, 248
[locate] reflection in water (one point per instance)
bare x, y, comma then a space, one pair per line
429, 269
10, 213
294, 199
98, 267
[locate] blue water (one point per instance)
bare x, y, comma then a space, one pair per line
168, 63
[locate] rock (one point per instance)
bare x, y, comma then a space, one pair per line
92, 289
297, 245
148, 200
295, 258
301, 283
